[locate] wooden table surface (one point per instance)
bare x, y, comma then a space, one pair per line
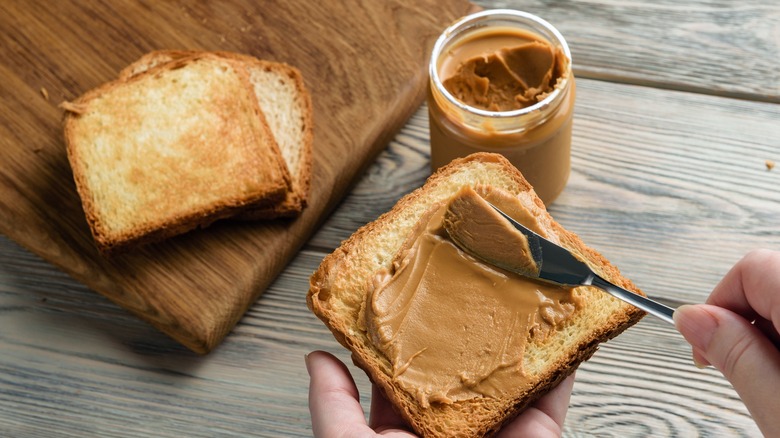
676, 118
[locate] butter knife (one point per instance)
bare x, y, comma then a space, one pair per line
557, 265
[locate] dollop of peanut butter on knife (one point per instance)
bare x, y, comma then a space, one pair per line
482, 232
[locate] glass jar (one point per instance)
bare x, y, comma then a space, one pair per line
537, 138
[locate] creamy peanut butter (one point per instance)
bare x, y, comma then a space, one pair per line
503, 70
452, 327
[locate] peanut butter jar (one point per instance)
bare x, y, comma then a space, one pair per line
501, 81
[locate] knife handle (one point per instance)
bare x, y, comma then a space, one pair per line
652, 307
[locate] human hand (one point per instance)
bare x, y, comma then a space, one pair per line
737, 333
336, 411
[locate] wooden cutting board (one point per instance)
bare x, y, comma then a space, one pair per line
363, 62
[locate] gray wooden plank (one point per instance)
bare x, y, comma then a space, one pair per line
724, 47
643, 383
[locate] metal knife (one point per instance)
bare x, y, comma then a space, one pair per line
557, 265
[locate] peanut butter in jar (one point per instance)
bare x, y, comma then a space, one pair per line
501, 81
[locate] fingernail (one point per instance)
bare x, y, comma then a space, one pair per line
699, 360
306, 360
697, 327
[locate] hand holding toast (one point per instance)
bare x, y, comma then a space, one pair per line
737, 332
448, 392
336, 411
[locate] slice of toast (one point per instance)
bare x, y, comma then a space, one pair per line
171, 149
340, 286
286, 104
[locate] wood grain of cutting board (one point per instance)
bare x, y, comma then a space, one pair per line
363, 62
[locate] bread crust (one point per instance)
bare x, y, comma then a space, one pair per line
340, 282
112, 243
297, 198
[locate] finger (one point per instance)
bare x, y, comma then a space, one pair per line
752, 287
556, 403
333, 398
383, 416
545, 417
747, 358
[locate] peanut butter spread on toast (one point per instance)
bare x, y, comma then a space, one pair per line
453, 327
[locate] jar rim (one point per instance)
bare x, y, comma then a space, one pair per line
445, 37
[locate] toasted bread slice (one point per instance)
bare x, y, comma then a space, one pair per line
287, 107
171, 149
339, 288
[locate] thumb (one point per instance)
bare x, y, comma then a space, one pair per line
739, 350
